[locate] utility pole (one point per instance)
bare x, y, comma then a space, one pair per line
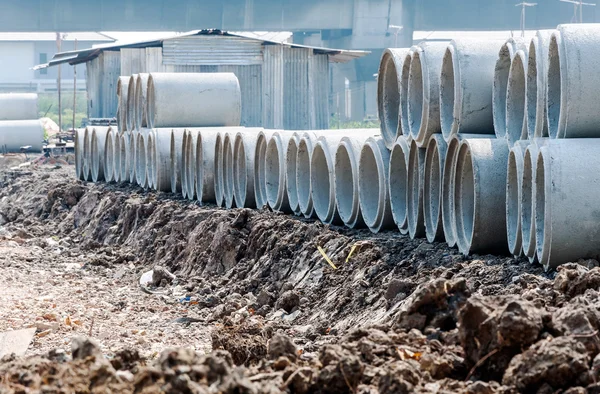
523, 6
58, 83
578, 4
74, 88
398, 29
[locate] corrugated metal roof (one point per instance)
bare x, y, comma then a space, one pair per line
51, 36
423, 35
84, 55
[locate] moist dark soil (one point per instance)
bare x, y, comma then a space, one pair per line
395, 315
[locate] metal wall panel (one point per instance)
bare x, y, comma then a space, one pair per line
111, 70
272, 87
133, 61
212, 50
319, 80
250, 78
296, 101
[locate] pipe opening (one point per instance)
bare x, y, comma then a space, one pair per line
431, 188
125, 158
346, 195
240, 182
117, 162
369, 186
290, 173
198, 165
130, 118
464, 197
190, 164
259, 171
404, 81
174, 165
303, 177
151, 159
321, 183
398, 186
150, 103
415, 95
540, 208
141, 166
272, 171
95, 157
527, 205
218, 181
513, 204
532, 92
228, 171
448, 192
389, 104
554, 88
447, 94
109, 157
515, 106
132, 156
501, 75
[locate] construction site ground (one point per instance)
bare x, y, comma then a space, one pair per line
243, 301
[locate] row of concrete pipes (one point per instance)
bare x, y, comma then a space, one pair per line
20, 128
503, 142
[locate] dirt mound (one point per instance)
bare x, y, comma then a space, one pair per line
394, 315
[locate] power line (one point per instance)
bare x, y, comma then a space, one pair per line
576, 4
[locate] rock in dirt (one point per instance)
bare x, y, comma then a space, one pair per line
282, 345
288, 301
15, 342
82, 348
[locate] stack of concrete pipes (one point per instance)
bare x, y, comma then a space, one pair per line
495, 145
20, 127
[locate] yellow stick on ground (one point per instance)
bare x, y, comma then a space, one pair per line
326, 257
351, 251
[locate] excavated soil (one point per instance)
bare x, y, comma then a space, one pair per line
243, 301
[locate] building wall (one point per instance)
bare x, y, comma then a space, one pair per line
16, 62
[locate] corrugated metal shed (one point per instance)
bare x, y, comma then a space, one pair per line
210, 50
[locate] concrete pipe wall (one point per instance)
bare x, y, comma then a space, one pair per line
97, 146
516, 119
18, 106
466, 83
435, 155
79, 134
303, 185
345, 176
87, 144
398, 182
184, 169
573, 81
188, 172
275, 179
176, 148
388, 93
141, 158
567, 206
122, 90
141, 98
260, 186
228, 163
537, 73
424, 91
109, 156
130, 115
374, 198
244, 149
194, 99
404, 84
514, 183
15, 134
207, 163
322, 179
162, 159
528, 197
480, 195
448, 177
501, 76
415, 184
117, 156
125, 158
151, 159
133, 155
290, 173
218, 169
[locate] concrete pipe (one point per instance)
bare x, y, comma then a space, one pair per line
404, 84
567, 206
194, 99
388, 93
130, 115
209, 163
322, 179
303, 186
466, 83
424, 91
117, 156
151, 159
290, 173
435, 156
501, 77
218, 170
97, 146
122, 90
244, 149
188, 172
79, 134
109, 156
162, 159
345, 176
398, 182
448, 177
87, 153
480, 195
573, 82
133, 155
516, 119
528, 197
15, 134
374, 198
514, 182
228, 163
176, 148
415, 184
260, 185
125, 158
275, 179
18, 106
141, 158
141, 98
537, 72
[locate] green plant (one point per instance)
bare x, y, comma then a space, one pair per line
335, 123
48, 107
